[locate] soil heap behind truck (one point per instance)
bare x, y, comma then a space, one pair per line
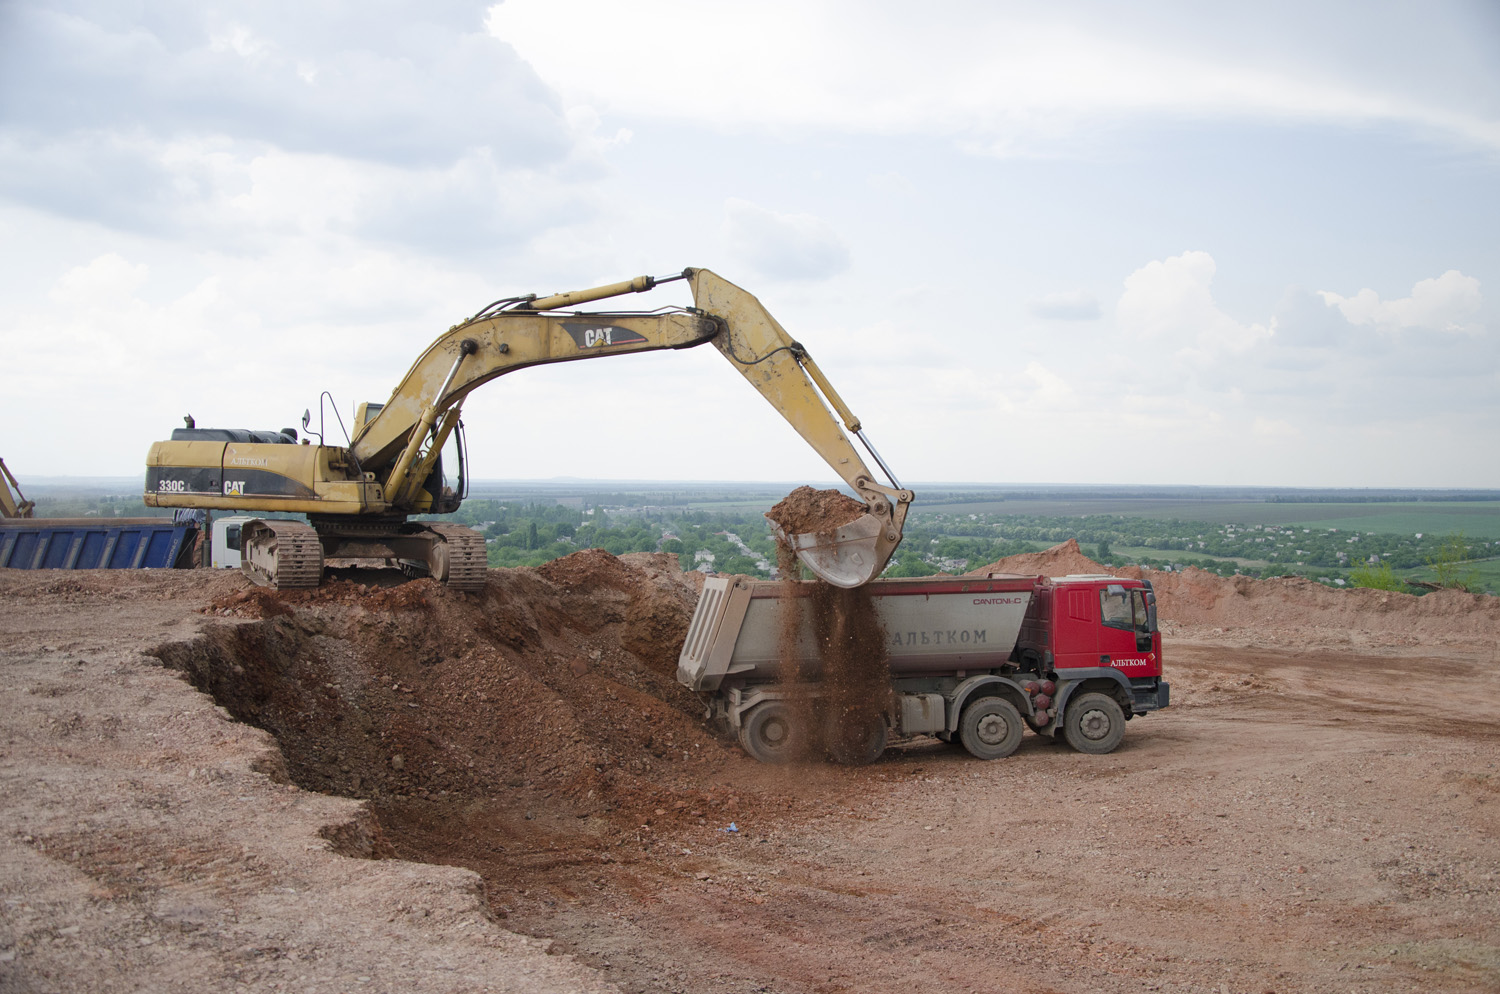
973, 658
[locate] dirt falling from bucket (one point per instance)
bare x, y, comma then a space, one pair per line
856, 671
795, 671
838, 680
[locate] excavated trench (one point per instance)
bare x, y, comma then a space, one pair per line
534, 733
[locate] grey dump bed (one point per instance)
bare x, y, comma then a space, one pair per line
932, 625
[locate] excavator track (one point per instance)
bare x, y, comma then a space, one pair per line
464, 551
281, 554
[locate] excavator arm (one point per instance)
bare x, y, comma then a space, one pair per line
780, 368
13, 506
399, 444
410, 426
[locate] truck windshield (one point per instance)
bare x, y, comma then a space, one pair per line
1114, 607
1133, 610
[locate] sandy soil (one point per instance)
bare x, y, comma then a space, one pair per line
815, 512
375, 787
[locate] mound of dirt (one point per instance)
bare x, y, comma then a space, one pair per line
806, 511
1060, 560
1198, 597
555, 684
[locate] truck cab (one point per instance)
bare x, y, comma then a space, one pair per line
1093, 620
225, 540
1098, 634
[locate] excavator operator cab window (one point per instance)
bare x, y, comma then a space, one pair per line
232, 538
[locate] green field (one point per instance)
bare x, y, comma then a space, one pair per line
1488, 571
1476, 519
733, 506
1144, 507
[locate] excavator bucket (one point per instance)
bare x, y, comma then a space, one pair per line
850, 555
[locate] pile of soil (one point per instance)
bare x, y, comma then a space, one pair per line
1280, 605
806, 511
1060, 560
555, 683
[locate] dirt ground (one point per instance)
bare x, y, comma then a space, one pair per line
380, 787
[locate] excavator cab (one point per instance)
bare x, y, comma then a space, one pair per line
447, 495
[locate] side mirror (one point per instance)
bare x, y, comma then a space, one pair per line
306, 418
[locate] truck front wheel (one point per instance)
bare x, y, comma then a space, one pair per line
769, 733
1094, 723
991, 728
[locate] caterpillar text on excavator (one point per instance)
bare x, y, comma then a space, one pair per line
358, 498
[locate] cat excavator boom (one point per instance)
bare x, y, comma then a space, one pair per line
358, 498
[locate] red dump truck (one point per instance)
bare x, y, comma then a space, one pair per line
977, 659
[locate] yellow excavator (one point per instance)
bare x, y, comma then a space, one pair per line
16, 506
358, 498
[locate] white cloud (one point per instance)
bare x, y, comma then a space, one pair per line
1444, 303
1015, 78
100, 332
119, 348
246, 125
1274, 430
1069, 305
367, 81
1049, 390
784, 246
1169, 300
100, 283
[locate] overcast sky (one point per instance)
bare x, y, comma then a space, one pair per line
1028, 242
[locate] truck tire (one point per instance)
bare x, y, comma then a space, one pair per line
1094, 723
769, 733
857, 746
991, 728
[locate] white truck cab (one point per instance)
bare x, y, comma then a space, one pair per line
226, 540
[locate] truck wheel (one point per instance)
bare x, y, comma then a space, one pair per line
858, 740
770, 734
991, 728
1094, 723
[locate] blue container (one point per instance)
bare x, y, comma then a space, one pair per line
89, 543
